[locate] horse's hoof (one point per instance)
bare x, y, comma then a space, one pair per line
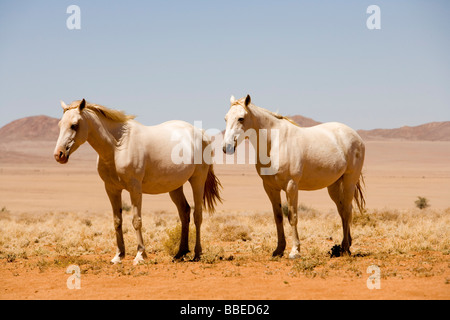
137, 261
338, 251
277, 253
140, 257
116, 260
180, 255
178, 259
294, 255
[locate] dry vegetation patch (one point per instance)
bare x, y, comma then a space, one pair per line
413, 243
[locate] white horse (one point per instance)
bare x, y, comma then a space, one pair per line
328, 155
138, 159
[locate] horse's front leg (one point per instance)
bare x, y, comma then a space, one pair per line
115, 197
275, 199
292, 199
136, 203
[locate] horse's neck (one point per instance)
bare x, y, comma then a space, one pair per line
264, 120
271, 132
266, 125
105, 135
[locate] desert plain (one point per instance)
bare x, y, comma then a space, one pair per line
53, 216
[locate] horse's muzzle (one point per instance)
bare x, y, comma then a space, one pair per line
228, 148
61, 157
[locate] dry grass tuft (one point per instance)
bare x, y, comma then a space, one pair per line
403, 243
172, 240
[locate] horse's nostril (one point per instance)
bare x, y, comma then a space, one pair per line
228, 149
60, 154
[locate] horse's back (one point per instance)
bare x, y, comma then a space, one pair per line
336, 133
161, 155
325, 152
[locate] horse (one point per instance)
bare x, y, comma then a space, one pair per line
139, 159
327, 155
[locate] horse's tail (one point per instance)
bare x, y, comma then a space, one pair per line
211, 193
359, 194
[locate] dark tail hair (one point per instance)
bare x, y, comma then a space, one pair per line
211, 193
359, 194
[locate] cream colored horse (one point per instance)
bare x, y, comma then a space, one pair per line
138, 159
328, 155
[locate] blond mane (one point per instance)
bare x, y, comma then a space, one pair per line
111, 114
241, 102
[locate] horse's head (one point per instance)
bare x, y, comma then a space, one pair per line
238, 121
73, 131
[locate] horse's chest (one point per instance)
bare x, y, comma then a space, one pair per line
109, 175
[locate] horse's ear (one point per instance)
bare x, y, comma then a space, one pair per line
82, 105
247, 100
63, 105
232, 100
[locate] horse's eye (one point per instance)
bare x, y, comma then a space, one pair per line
74, 127
241, 119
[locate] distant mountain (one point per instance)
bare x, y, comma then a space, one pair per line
304, 121
33, 139
44, 128
36, 128
433, 131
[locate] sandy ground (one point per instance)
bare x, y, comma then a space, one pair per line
395, 172
266, 280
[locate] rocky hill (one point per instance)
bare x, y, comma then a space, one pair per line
36, 128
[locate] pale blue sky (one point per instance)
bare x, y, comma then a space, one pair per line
163, 60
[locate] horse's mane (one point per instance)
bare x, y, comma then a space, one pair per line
111, 114
241, 102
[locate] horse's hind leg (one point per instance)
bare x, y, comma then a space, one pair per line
198, 188
136, 203
342, 193
184, 211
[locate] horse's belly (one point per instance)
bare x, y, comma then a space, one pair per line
163, 182
316, 180
155, 187
317, 184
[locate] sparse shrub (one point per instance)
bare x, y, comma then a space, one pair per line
172, 242
11, 257
365, 219
233, 231
307, 265
302, 210
375, 217
422, 203
388, 215
213, 254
